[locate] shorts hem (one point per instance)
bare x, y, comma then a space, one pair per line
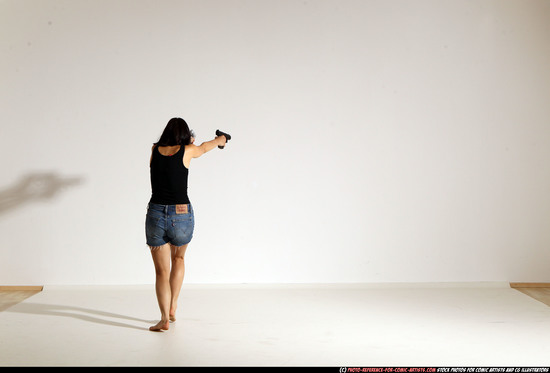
156, 247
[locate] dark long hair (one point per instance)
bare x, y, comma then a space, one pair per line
176, 132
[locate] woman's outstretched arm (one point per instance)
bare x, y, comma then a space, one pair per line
205, 147
193, 151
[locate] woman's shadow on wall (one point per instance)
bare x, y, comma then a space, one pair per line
34, 187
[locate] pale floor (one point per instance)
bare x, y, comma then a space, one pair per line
279, 325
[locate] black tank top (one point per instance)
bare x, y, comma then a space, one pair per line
169, 178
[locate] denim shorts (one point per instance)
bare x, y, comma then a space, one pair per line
163, 225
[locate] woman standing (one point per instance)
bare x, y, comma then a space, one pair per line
170, 219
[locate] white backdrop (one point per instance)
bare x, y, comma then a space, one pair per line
373, 141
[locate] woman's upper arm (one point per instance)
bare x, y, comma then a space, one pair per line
191, 151
194, 151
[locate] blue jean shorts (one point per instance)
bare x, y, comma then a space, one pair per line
171, 224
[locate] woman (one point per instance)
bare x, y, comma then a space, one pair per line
170, 220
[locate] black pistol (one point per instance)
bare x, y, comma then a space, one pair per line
227, 136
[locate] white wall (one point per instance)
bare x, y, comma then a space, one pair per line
373, 141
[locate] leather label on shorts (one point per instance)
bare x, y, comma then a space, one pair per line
181, 209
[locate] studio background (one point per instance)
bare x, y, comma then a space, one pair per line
373, 141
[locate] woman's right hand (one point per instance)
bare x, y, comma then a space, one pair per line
222, 140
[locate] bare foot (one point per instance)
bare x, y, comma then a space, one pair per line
162, 325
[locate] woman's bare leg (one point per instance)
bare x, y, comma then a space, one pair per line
176, 277
161, 259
